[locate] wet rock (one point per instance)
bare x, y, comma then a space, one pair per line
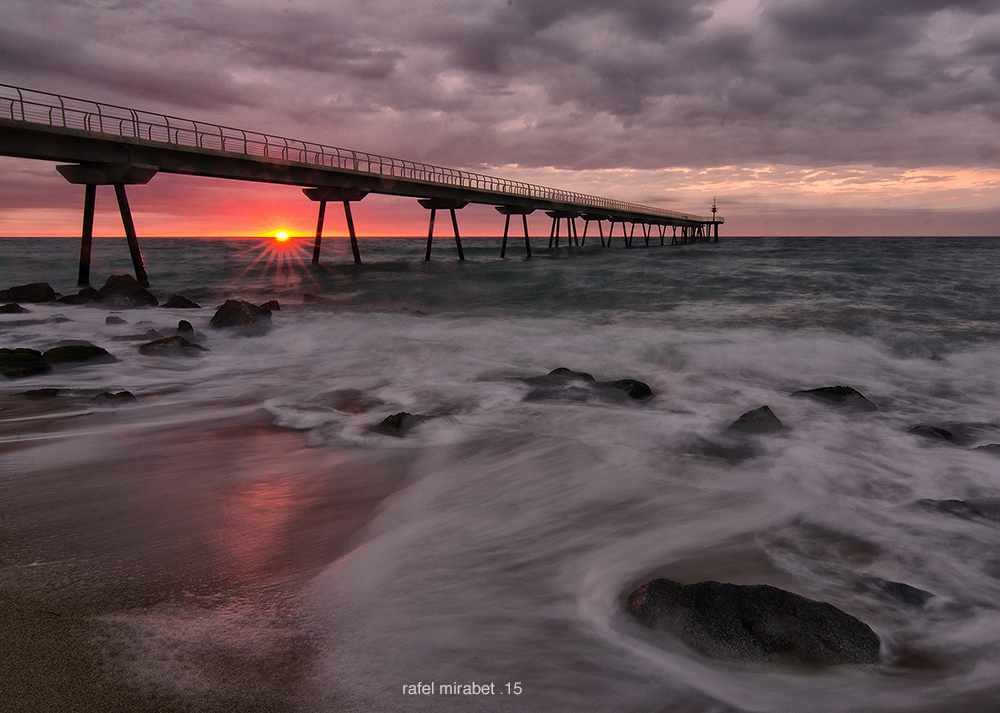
733, 451
895, 592
758, 421
84, 296
398, 424
172, 346
19, 363
77, 353
13, 308
841, 396
48, 393
180, 302
756, 624
124, 292
112, 319
114, 400
153, 334
33, 292
240, 315
185, 329
979, 509
933, 433
271, 305
632, 388
992, 449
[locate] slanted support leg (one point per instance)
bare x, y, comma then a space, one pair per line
430, 235
458, 238
89, 199
576, 235
600, 227
527, 245
133, 242
552, 233
319, 230
583, 240
506, 227
350, 229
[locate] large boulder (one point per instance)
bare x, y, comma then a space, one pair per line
841, 396
172, 346
632, 388
399, 424
84, 296
124, 292
756, 624
77, 353
761, 420
18, 363
33, 292
180, 302
12, 308
240, 315
567, 385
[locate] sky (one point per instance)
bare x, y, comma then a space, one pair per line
802, 117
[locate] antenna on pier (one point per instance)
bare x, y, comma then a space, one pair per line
715, 208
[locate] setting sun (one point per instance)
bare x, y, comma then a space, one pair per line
281, 236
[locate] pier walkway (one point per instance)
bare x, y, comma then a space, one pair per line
104, 144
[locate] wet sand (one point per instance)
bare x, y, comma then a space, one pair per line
157, 568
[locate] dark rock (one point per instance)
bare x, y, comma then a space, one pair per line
152, 334
842, 396
114, 400
754, 624
34, 292
124, 292
76, 353
761, 420
19, 363
84, 296
978, 509
398, 424
933, 433
993, 449
111, 319
733, 451
49, 393
185, 329
13, 308
242, 316
562, 384
171, 346
564, 373
906, 594
630, 387
180, 302
271, 305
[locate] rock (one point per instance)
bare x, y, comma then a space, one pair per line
171, 346
761, 420
84, 296
842, 396
630, 387
77, 353
903, 593
564, 373
733, 451
246, 318
34, 292
19, 363
398, 424
180, 302
185, 329
152, 334
756, 624
48, 393
978, 509
111, 319
992, 448
13, 308
114, 400
124, 292
271, 305
933, 433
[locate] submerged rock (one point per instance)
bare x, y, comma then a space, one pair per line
895, 591
13, 308
47, 393
112, 319
84, 296
180, 302
761, 420
114, 400
171, 346
19, 363
568, 385
124, 292
185, 329
77, 353
398, 424
756, 624
632, 388
33, 292
272, 305
979, 509
841, 396
244, 317
933, 433
992, 448
733, 451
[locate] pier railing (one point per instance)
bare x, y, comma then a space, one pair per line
54, 110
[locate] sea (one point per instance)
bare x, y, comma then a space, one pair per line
502, 534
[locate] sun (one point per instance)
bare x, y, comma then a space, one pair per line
281, 236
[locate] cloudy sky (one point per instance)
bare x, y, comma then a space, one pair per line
804, 117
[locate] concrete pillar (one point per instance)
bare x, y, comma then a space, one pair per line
89, 200
133, 242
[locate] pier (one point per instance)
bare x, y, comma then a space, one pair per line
102, 144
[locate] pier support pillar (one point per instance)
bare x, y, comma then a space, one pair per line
334, 193
434, 204
133, 241
89, 200
508, 211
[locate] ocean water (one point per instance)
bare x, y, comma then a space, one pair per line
515, 526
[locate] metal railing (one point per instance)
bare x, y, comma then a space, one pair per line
54, 110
